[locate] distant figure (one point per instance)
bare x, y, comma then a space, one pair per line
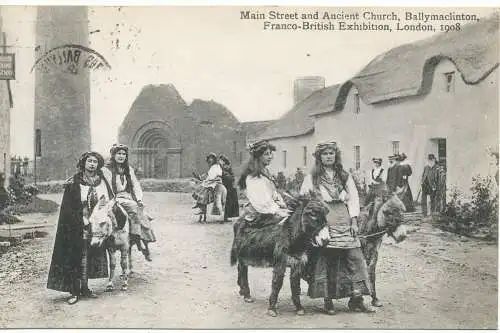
376, 183
281, 181
299, 178
441, 190
211, 189
232, 208
403, 186
429, 183
392, 173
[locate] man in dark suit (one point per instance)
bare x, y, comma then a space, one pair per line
392, 173
429, 183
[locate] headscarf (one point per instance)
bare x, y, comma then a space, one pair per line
337, 184
225, 159
257, 149
320, 147
212, 156
116, 147
92, 183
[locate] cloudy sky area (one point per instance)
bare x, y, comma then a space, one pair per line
207, 53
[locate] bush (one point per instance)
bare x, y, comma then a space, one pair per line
19, 192
148, 185
477, 215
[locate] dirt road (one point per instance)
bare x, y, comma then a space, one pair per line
431, 280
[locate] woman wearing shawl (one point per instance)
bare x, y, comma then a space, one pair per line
403, 187
128, 193
337, 266
232, 208
73, 261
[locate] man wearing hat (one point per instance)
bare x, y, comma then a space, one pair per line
392, 173
429, 183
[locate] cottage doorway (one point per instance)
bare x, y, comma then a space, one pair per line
439, 149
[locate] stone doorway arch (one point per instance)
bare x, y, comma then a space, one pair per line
156, 151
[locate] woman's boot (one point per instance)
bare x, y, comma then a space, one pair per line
356, 302
329, 307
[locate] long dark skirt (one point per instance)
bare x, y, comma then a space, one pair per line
336, 273
232, 206
407, 198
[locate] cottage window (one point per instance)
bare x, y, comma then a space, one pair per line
357, 157
395, 147
356, 102
234, 149
305, 155
284, 158
241, 157
449, 79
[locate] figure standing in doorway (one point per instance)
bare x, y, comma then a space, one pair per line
429, 183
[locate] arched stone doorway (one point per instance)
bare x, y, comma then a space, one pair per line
156, 151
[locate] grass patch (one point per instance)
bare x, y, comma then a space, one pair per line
183, 185
36, 205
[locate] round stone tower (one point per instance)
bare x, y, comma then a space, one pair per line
62, 97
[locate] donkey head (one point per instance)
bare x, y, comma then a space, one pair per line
390, 217
101, 221
311, 214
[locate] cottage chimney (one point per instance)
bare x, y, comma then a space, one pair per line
305, 86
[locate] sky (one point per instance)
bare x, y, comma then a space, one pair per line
205, 52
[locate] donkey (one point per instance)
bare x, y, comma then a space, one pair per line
381, 216
110, 228
278, 245
218, 197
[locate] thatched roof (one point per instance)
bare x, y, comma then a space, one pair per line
254, 129
401, 71
297, 121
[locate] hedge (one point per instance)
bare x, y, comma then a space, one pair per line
185, 185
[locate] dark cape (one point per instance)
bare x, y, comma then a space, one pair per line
406, 196
65, 268
232, 206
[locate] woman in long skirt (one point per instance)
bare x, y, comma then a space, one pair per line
129, 194
74, 262
403, 187
232, 208
337, 268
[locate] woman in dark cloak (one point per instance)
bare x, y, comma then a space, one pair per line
403, 186
73, 260
232, 208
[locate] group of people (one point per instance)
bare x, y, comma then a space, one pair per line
73, 260
217, 188
396, 178
339, 269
